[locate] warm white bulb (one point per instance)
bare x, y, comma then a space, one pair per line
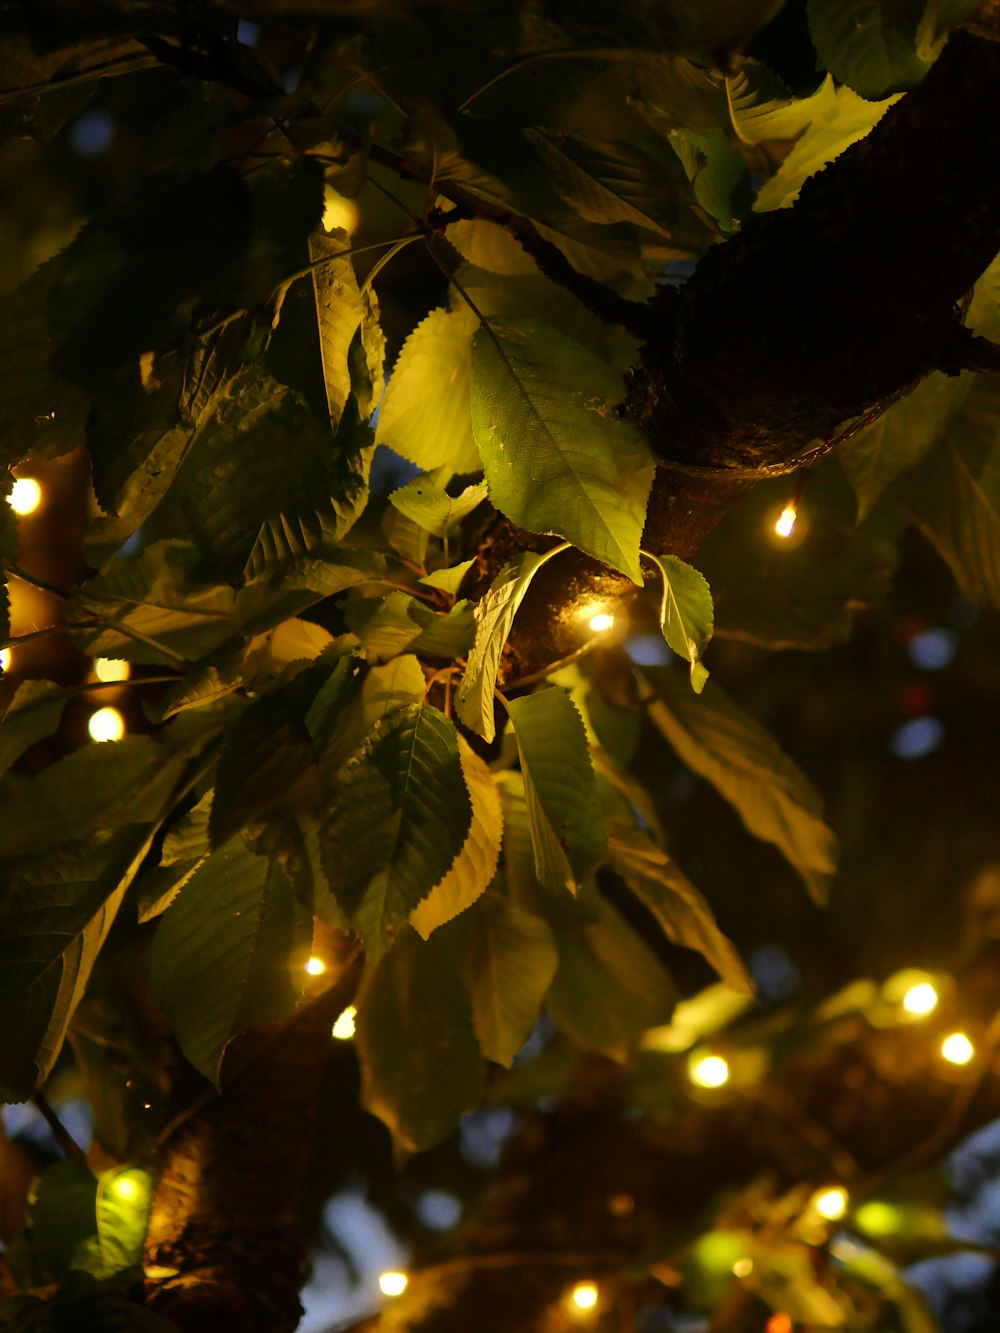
315, 967
343, 1029
957, 1049
25, 495
785, 525
126, 1188
708, 1071
584, 1296
5, 657
393, 1284
920, 999
831, 1203
109, 669
107, 724
601, 622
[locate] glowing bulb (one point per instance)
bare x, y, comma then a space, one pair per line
708, 1071
107, 724
126, 1188
393, 1284
109, 669
920, 999
584, 1296
343, 1029
339, 212
315, 967
779, 1323
957, 1049
785, 525
5, 656
25, 495
743, 1267
601, 622
831, 1203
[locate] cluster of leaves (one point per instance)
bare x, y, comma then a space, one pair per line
327, 745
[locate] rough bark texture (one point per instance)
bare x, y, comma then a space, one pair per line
808, 317
223, 1249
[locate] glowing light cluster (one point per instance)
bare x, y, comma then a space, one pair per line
957, 1049
107, 724
25, 495
708, 1071
343, 1029
393, 1283
315, 966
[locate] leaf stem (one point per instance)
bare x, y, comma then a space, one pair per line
17, 572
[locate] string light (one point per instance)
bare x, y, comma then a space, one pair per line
126, 1188
601, 622
831, 1203
785, 525
343, 1029
921, 999
708, 1071
584, 1296
5, 657
339, 212
315, 967
393, 1284
108, 669
743, 1267
25, 495
957, 1049
779, 1323
107, 724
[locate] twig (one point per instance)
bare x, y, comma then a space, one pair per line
60, 1133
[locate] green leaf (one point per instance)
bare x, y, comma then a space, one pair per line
387, 626
385, 688
434, 509
868, 45
425, 414
679, 908
421, 1068
8, 556
762, 106
64, 1217
494, 617
92, 790
489, 246
609, 988
264, 484
267, 750
557, 457
955, 494
32, 714
938, 18
399, 821
511, 961
448, 580
607, 182
476, 863
124, 1201
718, 173
328, 578
838, 117
900, 437
736, 755
338, 312
567, 830
55, 911
223, 953
686, 613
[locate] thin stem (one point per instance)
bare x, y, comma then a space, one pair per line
534, 57
40, 634
69, 691
60, 1133
15, 571
381, 262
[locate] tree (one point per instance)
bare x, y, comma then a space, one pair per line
406, 744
